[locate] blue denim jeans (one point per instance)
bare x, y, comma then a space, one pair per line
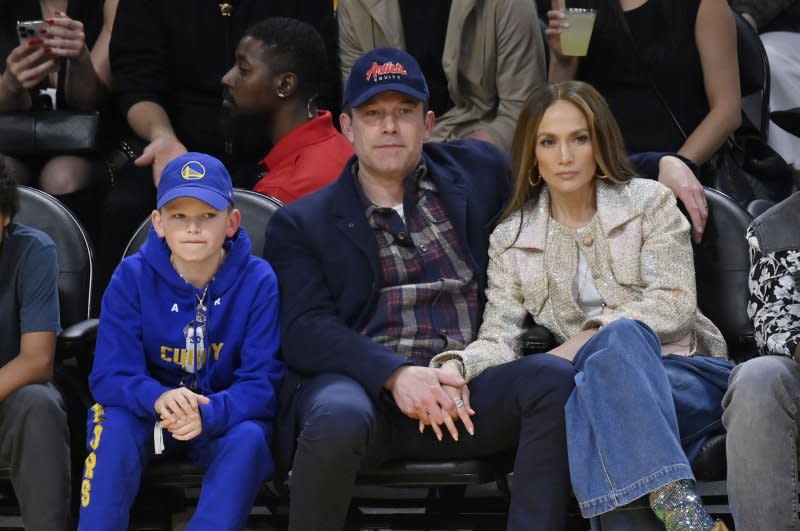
633, 415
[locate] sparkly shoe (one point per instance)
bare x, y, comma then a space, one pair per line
679, 508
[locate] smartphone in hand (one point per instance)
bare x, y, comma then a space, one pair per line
32, 29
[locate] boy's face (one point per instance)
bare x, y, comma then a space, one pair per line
194, 230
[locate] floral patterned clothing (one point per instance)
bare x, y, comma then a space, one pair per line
774, 305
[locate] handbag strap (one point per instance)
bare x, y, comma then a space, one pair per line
645, 68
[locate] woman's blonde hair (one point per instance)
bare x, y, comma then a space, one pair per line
607, 142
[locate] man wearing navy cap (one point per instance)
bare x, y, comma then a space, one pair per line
382, 270
186, 358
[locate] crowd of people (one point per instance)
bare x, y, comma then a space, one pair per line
479, 178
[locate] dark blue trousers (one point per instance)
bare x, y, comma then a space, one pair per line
340, 429
120, 446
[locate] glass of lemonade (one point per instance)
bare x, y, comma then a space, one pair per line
575, 39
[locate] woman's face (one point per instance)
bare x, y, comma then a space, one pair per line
564, 153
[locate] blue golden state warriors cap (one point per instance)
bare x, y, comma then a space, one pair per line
196, 175
382, 70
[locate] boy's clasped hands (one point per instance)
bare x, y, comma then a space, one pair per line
179, 412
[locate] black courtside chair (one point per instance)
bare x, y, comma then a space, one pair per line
722, 266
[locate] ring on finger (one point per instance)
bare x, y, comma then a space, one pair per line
459, 403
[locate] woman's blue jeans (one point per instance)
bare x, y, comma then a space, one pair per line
634, 415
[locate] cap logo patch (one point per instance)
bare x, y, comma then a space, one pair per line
193, 170
388, 70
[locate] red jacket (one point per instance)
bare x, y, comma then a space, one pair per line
306, 159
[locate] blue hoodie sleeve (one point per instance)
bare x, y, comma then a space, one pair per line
253, 394
119, 376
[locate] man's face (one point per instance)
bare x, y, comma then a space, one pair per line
250, 87
387, 133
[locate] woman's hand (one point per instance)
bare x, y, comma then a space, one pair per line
27, 65
66, 38
678, 177
460, 396
562, 67
556, 23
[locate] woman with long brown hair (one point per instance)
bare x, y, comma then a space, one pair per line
604, 261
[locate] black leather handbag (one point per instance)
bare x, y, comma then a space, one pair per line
49, 132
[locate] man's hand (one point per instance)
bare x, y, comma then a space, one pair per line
676, 175
179, 406
159, 152
419, 394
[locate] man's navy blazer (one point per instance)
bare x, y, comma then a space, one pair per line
326, 258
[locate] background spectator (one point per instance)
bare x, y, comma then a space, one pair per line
763, 401
33, 424
76, 44
275, 85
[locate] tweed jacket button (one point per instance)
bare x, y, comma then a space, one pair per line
588, 241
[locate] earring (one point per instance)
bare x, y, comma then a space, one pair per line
599, 174
530, 178
311, 107
280, 94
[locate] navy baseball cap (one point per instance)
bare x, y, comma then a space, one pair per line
382, 70
196, 175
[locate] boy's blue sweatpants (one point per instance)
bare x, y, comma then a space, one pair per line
120, 446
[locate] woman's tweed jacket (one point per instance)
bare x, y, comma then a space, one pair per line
638, 248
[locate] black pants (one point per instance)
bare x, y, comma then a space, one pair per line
519, 405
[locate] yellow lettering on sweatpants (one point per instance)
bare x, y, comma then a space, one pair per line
91, 459
98, 431
86, 492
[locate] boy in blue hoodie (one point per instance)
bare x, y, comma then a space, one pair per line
186, 357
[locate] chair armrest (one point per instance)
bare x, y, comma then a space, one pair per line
536, 339
77, 340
